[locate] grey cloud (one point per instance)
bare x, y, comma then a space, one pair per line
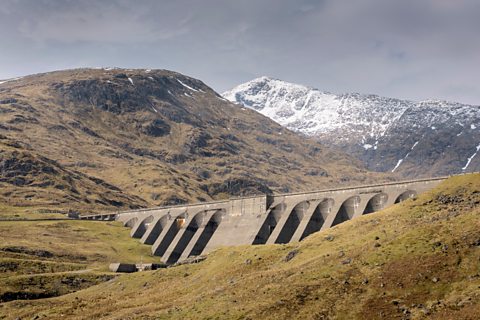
408, 49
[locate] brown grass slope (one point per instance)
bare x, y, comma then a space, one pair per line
28, 179
163, 137
416, 260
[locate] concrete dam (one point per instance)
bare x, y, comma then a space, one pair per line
182, 231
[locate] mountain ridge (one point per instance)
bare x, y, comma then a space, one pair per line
387, 134
164, 137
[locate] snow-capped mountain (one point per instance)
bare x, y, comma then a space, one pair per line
392, 135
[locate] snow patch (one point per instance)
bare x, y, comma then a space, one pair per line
398, 164
8, 80
154, 109
186, 94
187, 86
147, 70
473, 127
414, 145
131, 81
470, 159
151, 78
367, 146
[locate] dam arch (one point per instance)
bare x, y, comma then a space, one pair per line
185, 238
293, 221
207, 233
270, 223
130, 222
347, 210
319, 215
154, 231
140, 228
174, 225
409, 194
376, 203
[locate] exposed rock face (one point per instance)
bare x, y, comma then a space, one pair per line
410, 138
163, 137
156, 128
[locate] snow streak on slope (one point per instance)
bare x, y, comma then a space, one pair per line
470, 158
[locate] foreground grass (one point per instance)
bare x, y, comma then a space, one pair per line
40, 259
419, 259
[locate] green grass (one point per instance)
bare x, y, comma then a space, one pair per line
416, 260
90, 242
51, 258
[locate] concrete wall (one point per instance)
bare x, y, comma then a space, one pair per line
178, 232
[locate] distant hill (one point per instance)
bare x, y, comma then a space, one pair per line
127, 138
413, 139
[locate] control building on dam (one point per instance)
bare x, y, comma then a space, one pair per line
178, 232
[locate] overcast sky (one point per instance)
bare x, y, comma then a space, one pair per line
414, 49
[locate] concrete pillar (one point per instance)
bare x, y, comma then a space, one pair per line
141, 226
182, 238
199, 234
333, 214
280, 224
299, 233
155, 229
318, 217
166, 236
270, 222
348, 208
361, 205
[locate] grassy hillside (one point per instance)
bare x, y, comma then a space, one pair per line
122, 138
30, 180
41, 259
419, 259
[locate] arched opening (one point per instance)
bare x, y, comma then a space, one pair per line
140, 230
319, 216
409, 194
292, 222
187, 235
270, 223
207, 233
169, 236
347, 210
131, 222
156, 229
376, 203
